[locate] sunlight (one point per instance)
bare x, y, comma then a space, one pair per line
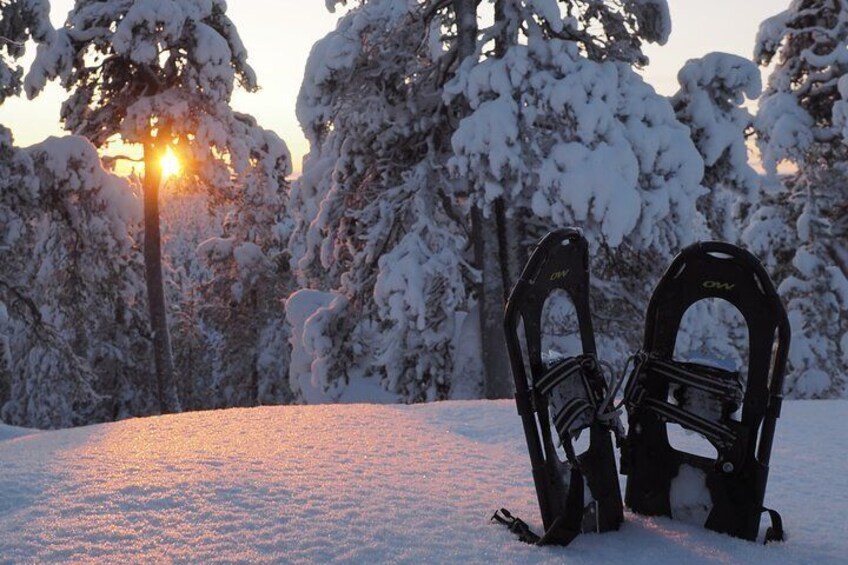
171, 166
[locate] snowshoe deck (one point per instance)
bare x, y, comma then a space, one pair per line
704, 399
577, 492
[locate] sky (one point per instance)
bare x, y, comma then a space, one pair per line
279, 34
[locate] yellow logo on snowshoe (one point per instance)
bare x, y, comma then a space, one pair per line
559, 275
718, 285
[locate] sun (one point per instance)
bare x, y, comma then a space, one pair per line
171, 166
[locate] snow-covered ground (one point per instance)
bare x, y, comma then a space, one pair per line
363, 484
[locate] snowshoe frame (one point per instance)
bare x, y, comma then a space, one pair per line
561, 261
736, 480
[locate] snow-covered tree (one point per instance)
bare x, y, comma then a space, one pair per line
563, 132
444, 151
20, 20
806, 44
802, 227
241, 308
70, 347
712, 90
158, 74
375, 195
76, 346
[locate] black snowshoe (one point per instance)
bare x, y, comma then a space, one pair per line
707, 399
576, 492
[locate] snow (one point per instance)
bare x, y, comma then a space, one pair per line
248, 256
303, 310
605, 152
363, 484
689, 496
13, 432
216, 248
310, 312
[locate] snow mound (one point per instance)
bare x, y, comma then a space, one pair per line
362, 484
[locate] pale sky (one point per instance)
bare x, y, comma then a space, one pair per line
279, 34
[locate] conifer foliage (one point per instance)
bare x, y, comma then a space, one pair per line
802, 226
374, 219
161, 74
712, 91
75, 348
20, 21
425, 152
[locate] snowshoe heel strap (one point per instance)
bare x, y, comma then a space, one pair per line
516, 526
775, 531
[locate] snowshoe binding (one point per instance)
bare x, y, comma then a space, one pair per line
705, 399
576, 492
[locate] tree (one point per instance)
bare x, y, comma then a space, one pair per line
802, 227
712, 90
241, 306
375, 194
440, 162
75, 348
562, 132
158, 74
20, 20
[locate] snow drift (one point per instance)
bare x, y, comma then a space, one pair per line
362, 484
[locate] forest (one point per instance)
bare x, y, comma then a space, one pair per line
445, 138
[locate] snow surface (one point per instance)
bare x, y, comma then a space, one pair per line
363, 484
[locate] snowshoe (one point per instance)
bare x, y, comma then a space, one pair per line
576, 492
705, 399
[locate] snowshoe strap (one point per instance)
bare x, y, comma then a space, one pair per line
564, 369
569, 413
564, 528
715, 432
569, 524
516, 526
709, 379
723, 384
775, 532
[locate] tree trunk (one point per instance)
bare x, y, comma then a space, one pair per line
163, 356
512, 251
497, 382
497, 379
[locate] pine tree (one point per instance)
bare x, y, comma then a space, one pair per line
76, 350
712, 91
20, 20
375, 189
562, 132
431, 151
158, 74
70, 347
802, 227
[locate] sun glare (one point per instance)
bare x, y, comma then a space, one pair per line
171, 166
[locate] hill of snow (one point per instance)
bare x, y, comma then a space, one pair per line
363, 484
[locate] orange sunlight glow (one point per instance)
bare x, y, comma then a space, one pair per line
171, 166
